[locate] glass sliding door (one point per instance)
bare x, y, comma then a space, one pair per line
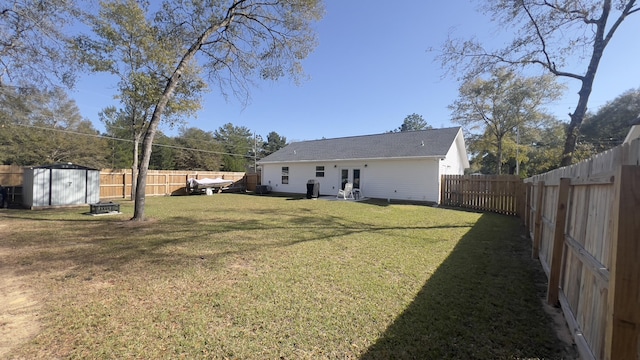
351, 176
344, 177
356, 178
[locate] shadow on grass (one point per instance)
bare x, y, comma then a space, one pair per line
114, 243
483, 302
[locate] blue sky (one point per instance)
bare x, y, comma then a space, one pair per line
370, 70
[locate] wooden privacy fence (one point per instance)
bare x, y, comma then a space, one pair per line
116, 184
10, 175
503, 194
584, 222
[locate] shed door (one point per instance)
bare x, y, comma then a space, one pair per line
68, 186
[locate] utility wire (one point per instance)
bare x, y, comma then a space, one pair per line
129, 140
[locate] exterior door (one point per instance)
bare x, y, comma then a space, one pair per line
350, 175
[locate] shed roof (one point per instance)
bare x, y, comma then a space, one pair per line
62, 166
408, 144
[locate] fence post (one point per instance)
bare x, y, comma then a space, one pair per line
622, 339
537, 232
558, 242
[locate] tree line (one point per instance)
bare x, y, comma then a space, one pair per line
45, 127
509, 131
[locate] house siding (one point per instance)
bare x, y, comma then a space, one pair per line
453, 163
398, 179
415, 180
301, 173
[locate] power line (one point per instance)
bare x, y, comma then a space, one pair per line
129, 140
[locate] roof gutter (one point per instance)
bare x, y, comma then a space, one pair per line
357, 159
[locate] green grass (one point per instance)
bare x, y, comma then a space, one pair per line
249, 277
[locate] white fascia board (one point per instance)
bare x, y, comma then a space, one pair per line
357, 159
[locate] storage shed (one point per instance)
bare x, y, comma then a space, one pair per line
60, 185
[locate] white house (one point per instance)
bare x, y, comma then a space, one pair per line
400, 166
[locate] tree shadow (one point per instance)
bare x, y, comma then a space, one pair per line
483, 302
114, 243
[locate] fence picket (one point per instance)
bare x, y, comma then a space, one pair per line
490, 193
599, 275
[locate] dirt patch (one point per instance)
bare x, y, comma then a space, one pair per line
19, 310
562, 330
131, 224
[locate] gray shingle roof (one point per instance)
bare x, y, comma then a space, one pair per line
423, 143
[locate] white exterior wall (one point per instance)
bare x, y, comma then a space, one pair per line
401, 179
453, 163
415, 180
300, 173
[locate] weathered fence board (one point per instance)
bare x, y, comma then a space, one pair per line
584, 228
10, 175
623, 327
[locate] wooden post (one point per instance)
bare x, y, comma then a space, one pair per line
537, 232
622, 339
558, 242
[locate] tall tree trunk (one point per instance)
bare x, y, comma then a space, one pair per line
573, 129
499, 156
134, 167
577, 116
167, 94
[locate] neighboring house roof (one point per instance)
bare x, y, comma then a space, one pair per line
408, 144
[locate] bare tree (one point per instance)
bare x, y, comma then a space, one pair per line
546, 34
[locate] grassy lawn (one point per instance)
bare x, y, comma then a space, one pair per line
250, 277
